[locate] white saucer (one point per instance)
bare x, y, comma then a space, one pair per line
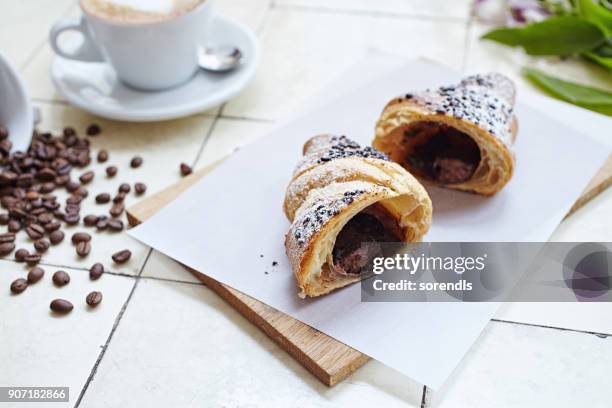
94, 87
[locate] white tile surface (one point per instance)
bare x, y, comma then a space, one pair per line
41, 349
523, 366
24, 26
181, 345
302, 52
419, 8
162, 267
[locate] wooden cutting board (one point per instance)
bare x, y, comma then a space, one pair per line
328, 359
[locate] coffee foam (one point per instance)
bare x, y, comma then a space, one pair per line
138, 11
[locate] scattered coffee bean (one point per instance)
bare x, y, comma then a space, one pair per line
122, 256
83, 248
6, 248
61, 278
19, 285
96, 271
4, 219
52, 226
117, 209
93, 129
7, 237
72, 218
185, 169
124, 188
35, 231
102, 223
42, 245
56, 237
115, 224
90, 220
94, 298
111, 171
32, 259
140, 188
69, 131
136, 162
61, 306
74, 199
80, 237
87, 177
14, 226
35, 274
72, 186
102, 156
82, 191
103, 198
21, 254
4, 133
119, 198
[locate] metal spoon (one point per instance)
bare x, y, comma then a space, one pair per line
219, 59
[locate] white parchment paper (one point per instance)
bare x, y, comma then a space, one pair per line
224, 223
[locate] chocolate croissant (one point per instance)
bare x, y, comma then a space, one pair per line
458, 136
342, 196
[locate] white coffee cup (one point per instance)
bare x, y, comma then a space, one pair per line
149, 55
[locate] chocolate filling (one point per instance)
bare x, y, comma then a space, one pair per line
440, 152
371, 227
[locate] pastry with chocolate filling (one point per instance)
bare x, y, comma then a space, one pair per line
344, 201
457, 136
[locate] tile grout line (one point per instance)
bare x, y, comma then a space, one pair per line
112, 332
211, 129
598, 334
425, 397
367, 13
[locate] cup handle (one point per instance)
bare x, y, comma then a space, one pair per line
87, 52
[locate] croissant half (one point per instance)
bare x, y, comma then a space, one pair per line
457, 136
340, 196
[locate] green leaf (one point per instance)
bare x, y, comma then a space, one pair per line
596, 13
587, 97
604, 61
562, 35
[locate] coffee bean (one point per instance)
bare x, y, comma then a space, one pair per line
96, 271
69, 131
7, 237
136, 162
56, 237
119, 198
94, 298
14, 225
80, 237
74, 199
4, 133
103, 198
52, 226
93, 129
124, 188
72, 218
61, 306
83, 248
61, 278
72, 186
6, 248
82, 191
87, 177
90, 220
185, 169
102, 223
102, 156
45, 217
21, 254
42, 245
35, 274
4, 219
35, 231
140, 188
117, 209
32, 259
122, 256
19, 285
111, 171
115, 224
